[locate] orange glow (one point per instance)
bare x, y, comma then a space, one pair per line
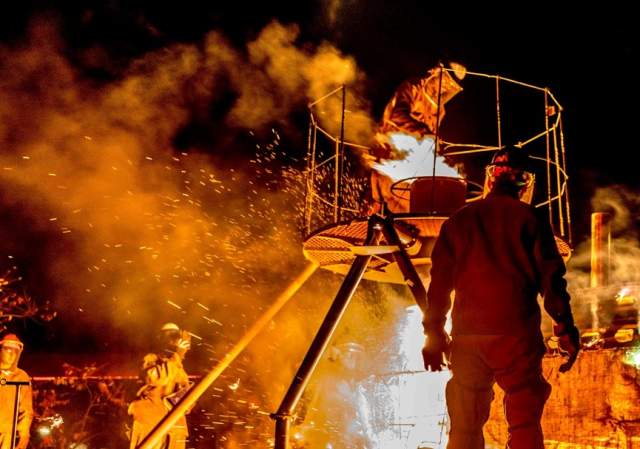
411, 399
401, 406
418, 160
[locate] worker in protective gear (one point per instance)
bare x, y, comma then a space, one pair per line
416, 109
497, 254
10, 350
165, 383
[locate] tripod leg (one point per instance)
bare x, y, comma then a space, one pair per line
407, 268
322, 338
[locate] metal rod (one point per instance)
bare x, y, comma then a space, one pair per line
181, 408
313, 176
14, 424
546, 125
341, 151
498, 111
558, 182
308, 197
564, 165
336, 182
322, 338
16, 406
437, 140
411, 276
509, 80
310, 105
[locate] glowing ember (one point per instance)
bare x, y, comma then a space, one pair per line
418, 160
625, 297
633, 358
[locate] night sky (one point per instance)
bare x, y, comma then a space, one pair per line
584, 55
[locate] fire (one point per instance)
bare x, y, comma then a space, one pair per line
418, 160
398, 406
408, 401
633, 358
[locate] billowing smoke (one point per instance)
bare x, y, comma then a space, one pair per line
593, 307
122, 231
279, 75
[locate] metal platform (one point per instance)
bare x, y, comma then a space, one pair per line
334, 247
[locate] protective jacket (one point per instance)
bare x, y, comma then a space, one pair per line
165, 382
7, 401
498, 254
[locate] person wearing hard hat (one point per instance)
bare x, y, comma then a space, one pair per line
165, 382
498, 254
10, 351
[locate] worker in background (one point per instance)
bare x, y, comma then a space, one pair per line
10, 350
165, 383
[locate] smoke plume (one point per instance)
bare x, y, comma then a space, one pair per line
122, 231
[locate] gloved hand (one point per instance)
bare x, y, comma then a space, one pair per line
435, 351
184, 343
569, 343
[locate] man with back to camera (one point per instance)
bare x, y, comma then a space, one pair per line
497, 254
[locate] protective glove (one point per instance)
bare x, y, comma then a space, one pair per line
436, 350
569, 343
184, 343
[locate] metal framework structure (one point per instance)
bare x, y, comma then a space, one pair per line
334, 224
388, 248
383, 247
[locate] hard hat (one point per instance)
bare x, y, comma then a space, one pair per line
509, 168
512, 157
11, 341
170, 327
511, 164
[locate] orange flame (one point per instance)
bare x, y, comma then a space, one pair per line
418, 160
411, 399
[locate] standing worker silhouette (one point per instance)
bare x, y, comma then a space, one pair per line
497, 254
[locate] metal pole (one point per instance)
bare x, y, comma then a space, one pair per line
14, 424
437, 139
312, 177
341, 151
322, 338
336, 182
411, 276
564, 168
307, 188
558, 183
498, 112
16, 406
546, 125
164, 425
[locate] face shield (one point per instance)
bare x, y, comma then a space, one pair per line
10, 354
521, 181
